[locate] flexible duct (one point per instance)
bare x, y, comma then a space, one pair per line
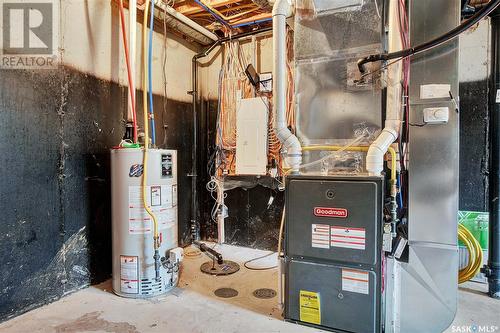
282, 9
390, 133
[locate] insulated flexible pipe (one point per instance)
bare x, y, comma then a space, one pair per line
156, 238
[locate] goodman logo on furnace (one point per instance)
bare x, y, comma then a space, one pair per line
30, 34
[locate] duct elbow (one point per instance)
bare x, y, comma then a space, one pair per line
377, 150
283, 7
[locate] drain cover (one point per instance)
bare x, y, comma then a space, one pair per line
264, 293
228, 267
226, 292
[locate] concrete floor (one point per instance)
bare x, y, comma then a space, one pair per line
194, 308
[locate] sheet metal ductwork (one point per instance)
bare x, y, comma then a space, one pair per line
334, 107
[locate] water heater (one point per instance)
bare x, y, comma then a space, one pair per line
134, 272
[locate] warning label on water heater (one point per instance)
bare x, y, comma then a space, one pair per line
355, 281
159, 199
129, 274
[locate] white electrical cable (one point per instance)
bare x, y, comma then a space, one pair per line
216, 185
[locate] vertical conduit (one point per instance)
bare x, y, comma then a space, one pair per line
493, 268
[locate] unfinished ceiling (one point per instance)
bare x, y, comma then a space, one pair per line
225, 16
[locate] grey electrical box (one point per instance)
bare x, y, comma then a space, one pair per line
333, 251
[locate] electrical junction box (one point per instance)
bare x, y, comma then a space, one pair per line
333, 252
251, 136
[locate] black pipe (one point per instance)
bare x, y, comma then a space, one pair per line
492, 270
490, 7
204, 248
195, 232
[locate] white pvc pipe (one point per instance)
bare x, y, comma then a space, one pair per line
132, 37
282, 9
221, 232
390, 133
192, 24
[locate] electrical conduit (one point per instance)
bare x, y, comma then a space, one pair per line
282, 9
156, 238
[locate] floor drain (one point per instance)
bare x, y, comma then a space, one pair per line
226, 292
227, 267
264, 293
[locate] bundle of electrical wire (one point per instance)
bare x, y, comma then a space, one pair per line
216, 186
475, 255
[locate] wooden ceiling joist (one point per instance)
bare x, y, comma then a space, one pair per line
191, 7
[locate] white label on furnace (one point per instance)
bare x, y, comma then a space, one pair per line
320, 236
431, 91
348, 238
498, 96
355, 281
129, 274
159, 199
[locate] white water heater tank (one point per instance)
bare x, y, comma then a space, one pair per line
132, 228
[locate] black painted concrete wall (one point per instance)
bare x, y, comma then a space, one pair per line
474, 148
56, 129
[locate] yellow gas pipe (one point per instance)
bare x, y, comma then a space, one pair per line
156, 238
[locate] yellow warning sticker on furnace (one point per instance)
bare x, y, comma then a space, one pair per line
310, 307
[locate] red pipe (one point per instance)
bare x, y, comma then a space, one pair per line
129, 70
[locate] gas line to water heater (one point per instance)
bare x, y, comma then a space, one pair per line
147, 58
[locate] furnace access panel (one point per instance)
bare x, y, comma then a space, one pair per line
333, 243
